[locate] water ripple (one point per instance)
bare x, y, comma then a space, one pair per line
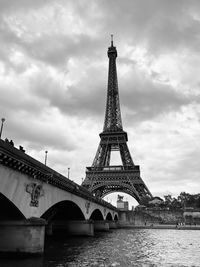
126, 248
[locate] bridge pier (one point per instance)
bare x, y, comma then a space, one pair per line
113, 225
82, 227
22, 237
101, 226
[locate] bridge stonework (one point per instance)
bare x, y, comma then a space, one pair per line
14, 184
33, 193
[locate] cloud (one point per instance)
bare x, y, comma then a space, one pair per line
159, 25
145, 100
12, 5
167, 151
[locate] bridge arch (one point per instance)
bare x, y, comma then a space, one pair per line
116, 217
109, 217
15, 187
96, 215
8, 210
64, 210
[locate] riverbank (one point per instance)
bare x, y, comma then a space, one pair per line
161, 226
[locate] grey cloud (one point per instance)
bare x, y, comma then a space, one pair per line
159, 25
85, 99
184, 173
57, 49
52, 49
141, 98
148, 100
40, 136
189, 162
12, 5
24, 112
26, 129
20, 99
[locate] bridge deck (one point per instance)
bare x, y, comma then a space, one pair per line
16, 159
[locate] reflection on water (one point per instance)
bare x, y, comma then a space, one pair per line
130, 247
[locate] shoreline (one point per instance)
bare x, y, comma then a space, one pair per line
161, 226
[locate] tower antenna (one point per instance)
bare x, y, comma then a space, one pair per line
112, 40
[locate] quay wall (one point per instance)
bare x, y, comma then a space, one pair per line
153, 216
166, 216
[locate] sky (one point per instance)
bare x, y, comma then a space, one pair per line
53, 83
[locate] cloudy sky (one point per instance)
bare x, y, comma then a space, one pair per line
53, 81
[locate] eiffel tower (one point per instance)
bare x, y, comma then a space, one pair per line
102, 178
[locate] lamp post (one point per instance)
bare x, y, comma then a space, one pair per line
45, 161
2, 122
68, 173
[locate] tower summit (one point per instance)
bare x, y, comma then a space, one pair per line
103, 178
113, 121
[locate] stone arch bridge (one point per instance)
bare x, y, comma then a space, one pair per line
34, 198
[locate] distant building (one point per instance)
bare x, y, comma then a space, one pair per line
122, 205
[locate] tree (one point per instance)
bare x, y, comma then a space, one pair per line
168, 200
183, 198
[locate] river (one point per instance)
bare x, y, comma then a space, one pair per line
122, 247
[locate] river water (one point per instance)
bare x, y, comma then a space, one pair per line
122, 247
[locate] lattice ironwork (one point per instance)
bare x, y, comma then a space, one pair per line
113, 121
102, 179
